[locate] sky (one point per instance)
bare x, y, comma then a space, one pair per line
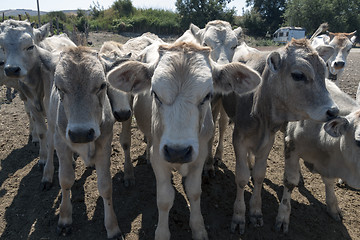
56, 5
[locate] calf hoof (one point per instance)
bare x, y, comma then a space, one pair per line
257, 220
118, 236
217, 161
129, 182
45, 186
240, 224
64, 230
281, 225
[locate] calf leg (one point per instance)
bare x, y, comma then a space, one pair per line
48, 172
102, 164
193, 192
223, 122
125, 141
242, 174
331, 200
291, 180
66, 179
209, 165
258, 174
165, 195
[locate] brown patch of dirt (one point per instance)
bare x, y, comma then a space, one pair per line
28, 213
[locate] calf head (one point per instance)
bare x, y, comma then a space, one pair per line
295, 76
81, 87
17, 41
182, 80
348, 129
219, 36
342, 44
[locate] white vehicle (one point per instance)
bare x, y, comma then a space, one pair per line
285, 34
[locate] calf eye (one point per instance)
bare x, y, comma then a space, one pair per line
156, 97
298, 76
206, 98
30, 48
61, 93
2, 63
102, 86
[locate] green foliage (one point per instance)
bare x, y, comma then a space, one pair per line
123, 8
96, 10
201, 12
253, 23
149, 20
342, 15
270, 11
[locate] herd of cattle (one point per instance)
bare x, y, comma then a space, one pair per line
176, 92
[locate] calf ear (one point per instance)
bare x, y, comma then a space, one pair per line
274, 61
42, 32
234, 77
325, 51
238, 32
336, 127
48, 59
352, 37
196, 31
131, 76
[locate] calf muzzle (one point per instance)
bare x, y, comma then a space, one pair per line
122, 116
332, 113
81, 135
12, 71
178, 154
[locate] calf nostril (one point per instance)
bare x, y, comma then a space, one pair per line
91, 134
339, 64
357, 142
332, 113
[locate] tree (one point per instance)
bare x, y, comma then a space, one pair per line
342, 15
200, 12
271, 11
96, 10
253, 23
123, 8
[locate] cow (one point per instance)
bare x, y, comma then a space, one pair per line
342, 43
223, 40
22, 45
292, 88
330, 149
81, 121
181, 78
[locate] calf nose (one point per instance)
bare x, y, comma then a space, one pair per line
82, 135
332, 113
122, 116
12, 71
339, 64
177, 155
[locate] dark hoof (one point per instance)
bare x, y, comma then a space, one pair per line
63, 230
217, 161
129, 183
45, 186
118, 236
257, 220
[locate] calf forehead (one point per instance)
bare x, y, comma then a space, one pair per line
220, 34
182, 74
78, 66
340, 40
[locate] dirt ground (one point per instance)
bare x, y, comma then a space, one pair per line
28, 213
